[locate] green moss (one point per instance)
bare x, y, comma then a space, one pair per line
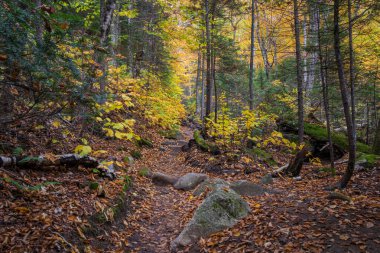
370, 159
144, 142
170, 134
136, 154
260, 153
144, 172
339, 139
93, 185
200, 141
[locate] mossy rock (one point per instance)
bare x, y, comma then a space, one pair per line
200, 141
129, 160
220, 210
320, 133
204, 145
367, 160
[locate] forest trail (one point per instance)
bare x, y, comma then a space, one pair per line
164, 207
301, 210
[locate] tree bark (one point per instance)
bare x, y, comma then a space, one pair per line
344, 93
203, 88
70, 160
252, 56
376, 143
295, 166
352, 73
299, 73
107, 8
208, 61
263, 48
325, 93
197, 80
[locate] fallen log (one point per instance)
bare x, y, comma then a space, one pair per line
30, 162
49, 161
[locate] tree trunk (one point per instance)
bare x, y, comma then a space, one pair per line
295, 165
107, 8
344, 93
215, 88
203, 88
376, 143
305, 60
325, 93
39, 23
252, 56
208, 61
69, 160
299, 73
262, 45
197, 80
352, 73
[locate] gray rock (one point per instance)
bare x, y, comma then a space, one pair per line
246, 188
220, 210
190, 181
267, 179
163, 179
211, 184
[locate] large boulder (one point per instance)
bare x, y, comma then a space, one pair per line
210, 184
220, 210
246, 188
190, 181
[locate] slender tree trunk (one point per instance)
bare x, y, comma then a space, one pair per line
203, 88
325, 93
215, 90
39, 29
305, 60
352, 73
263, 48
344, 93
208, 61
376, 143
107, 8
115, 34
299, 73
252, 56
197, 84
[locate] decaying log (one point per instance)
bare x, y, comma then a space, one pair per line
277, 172
34, 162
338, 195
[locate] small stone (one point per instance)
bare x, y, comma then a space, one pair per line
190, 181
267, 179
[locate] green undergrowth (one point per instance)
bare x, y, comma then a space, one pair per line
172, 133
22, 187
262, 154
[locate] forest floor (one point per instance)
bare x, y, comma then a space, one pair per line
69, 216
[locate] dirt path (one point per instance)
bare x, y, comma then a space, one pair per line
164, 207
300, 218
